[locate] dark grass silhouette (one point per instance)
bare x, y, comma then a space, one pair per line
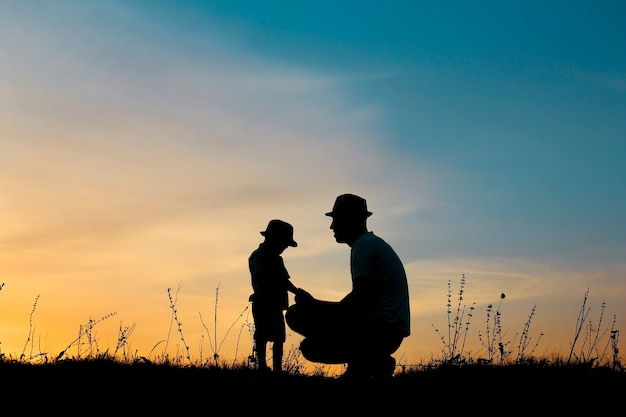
109, 386
506, 378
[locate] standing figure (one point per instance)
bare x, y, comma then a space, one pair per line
271, 283
368, 325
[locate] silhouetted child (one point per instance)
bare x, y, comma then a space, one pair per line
271, 283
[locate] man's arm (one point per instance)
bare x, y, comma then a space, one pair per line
363, 294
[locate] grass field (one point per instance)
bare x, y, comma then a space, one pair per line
507, 378
110, 387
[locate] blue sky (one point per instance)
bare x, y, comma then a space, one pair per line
522, 106
146, 143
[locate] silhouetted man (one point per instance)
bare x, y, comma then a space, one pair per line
368, 325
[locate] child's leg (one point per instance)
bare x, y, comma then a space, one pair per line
261, 346
277, 360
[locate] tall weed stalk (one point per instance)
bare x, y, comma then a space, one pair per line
31, 330
85, 331
454, 345
493, 341
179, 325
215, 347
589, 351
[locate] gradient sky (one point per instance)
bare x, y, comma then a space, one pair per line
144, 145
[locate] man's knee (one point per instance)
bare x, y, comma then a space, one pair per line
306, 349
293, 318
302, 319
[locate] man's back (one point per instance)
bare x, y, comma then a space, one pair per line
372, 257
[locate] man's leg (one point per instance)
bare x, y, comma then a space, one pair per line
314, 318
322, 349
325, 328
371, 357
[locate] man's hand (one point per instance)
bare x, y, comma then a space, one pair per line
303, 297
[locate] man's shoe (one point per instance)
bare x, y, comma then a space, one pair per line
355, 373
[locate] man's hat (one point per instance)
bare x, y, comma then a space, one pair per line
349, 205
280, 230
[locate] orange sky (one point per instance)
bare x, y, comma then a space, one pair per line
144, 148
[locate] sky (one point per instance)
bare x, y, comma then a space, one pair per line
144, 145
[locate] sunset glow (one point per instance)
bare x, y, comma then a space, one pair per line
144, 146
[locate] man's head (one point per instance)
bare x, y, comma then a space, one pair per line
349, 205
349, 218
280, 233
